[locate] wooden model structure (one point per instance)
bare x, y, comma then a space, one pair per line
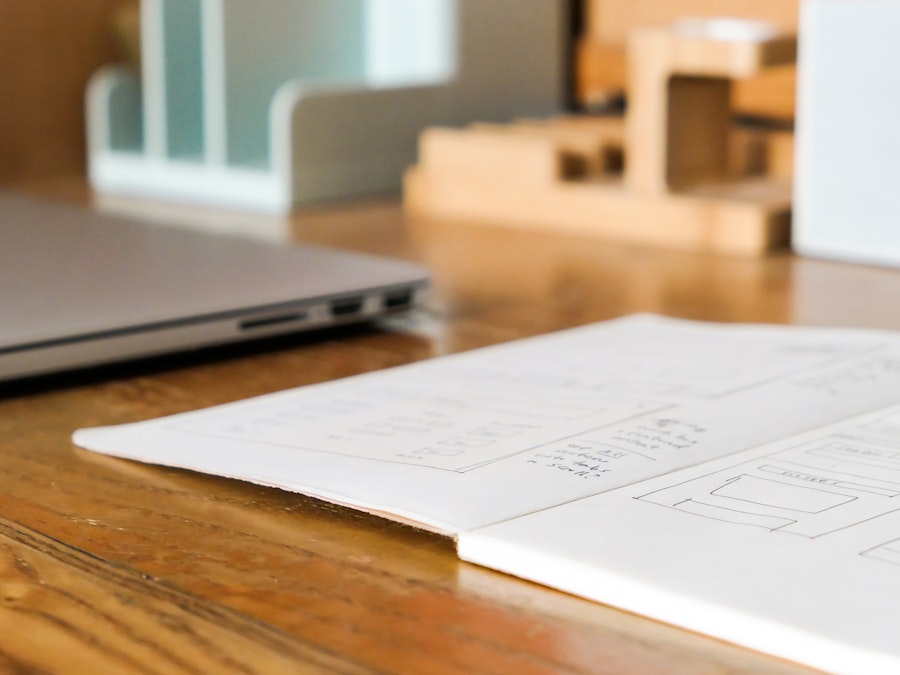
602, 63
690, 180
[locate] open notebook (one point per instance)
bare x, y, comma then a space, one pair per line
742, 481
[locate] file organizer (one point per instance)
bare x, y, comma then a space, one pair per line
268, 105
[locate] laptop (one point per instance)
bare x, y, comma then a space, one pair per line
80, 289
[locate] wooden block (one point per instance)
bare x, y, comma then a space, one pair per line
752, 219
697, 130
710, 57
679, 96
600, 129
771, 93
780, 164
593, 142
762, 152
491, 155
601, 77
600, 72
676, 129
678, 190
612, 21
601, 60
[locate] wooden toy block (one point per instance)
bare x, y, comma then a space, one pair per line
483, 154
759, 151
742, 218
679, 97
770, 94
613, 21
601, 71
711, 224
589, 145
686, 182
595, 145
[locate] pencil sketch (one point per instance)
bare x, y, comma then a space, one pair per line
889, 552
586, 403
813, 489
447, 426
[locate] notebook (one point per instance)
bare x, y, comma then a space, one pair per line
741, 481
81, 289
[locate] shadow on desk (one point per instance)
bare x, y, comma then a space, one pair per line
205, 356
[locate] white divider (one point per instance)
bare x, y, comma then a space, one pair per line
846, 198
264, 48
153, 74
183, 78
214, 95
117, 109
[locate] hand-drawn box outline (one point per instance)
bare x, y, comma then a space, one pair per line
888, 552
766, 463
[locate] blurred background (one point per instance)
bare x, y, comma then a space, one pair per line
48, 51
50, 48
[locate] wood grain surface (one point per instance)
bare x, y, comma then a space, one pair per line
108, 566
49, 49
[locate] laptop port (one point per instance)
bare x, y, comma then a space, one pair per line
266, 321
398, 299
347, 306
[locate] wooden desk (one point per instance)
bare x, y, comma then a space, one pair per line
119, 567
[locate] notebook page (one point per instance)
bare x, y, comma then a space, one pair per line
791, 549
463, 441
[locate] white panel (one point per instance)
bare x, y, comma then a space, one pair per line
410, 41
512, 58
341, 141
275, 41
115, 111
847, 201
215, 129
153, 76
183, 80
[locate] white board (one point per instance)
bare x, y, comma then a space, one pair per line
847, 188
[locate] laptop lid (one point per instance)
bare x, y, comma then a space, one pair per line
79, 289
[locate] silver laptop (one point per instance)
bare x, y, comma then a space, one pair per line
80, 289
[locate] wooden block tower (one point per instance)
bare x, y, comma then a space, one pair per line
678, 187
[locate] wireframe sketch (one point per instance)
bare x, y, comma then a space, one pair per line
815, 488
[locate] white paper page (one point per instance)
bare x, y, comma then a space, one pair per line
791, 549
467, 440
